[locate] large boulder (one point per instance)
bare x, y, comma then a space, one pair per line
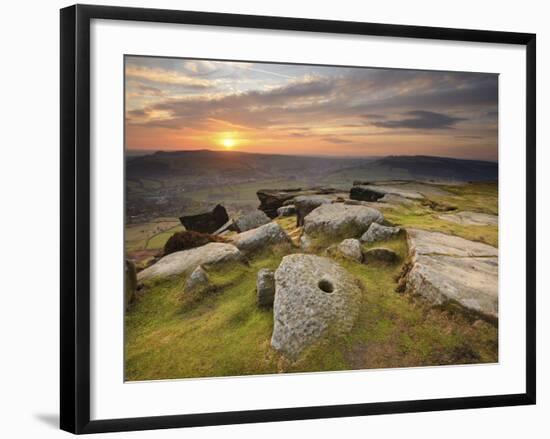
265, 287
378, 232
130, 281
314, 296
341, 220
250, 220
272, 199
261, 238
184, 262
446, 268
306, 204
207, 222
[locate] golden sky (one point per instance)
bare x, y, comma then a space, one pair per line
182, 104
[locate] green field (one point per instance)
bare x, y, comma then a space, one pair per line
223, 333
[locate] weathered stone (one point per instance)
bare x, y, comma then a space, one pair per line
351, 249
207, 222
471, 218
435, 243
340, 220
197, 281
393, 190
377, 232
130, 281
250, 221
265, 287
448, 268
185, 261
272, 199
383, 193
364, 193
380, 254
287, 210
306, 204
261, 238
314, 296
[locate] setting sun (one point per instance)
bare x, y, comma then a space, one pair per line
228, 142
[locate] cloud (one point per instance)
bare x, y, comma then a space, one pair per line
373, 116
161, 76
420, 119
336, 140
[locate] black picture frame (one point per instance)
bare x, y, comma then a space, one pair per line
75, 217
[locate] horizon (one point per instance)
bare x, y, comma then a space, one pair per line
148, 151
308, 110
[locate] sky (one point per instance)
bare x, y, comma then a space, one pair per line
186, 104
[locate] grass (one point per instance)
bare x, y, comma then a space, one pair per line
224, 332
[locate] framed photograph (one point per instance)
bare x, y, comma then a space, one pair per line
268, 218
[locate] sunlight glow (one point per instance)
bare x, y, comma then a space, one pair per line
228, 142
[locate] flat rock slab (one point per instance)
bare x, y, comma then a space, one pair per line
184, 262
435, 243
340, 219
471, 218
314, 296
448, 268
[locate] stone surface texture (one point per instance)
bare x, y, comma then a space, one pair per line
184, 262
378, 232
265, 287
261, 238
449, 268
314, 297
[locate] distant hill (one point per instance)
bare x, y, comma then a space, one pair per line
232, 165
418, 168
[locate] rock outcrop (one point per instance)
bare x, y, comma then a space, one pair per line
379, 192
265, 287
184, 262
365, 193
261, 238
378, 232
471, 218
207, 222
340, 220
272, 199
448, 268
314, 296
306, 204
250, 221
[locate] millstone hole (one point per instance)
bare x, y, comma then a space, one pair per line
326, 286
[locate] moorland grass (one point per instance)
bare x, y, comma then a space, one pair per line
225, 333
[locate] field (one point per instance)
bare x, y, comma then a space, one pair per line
225, 333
